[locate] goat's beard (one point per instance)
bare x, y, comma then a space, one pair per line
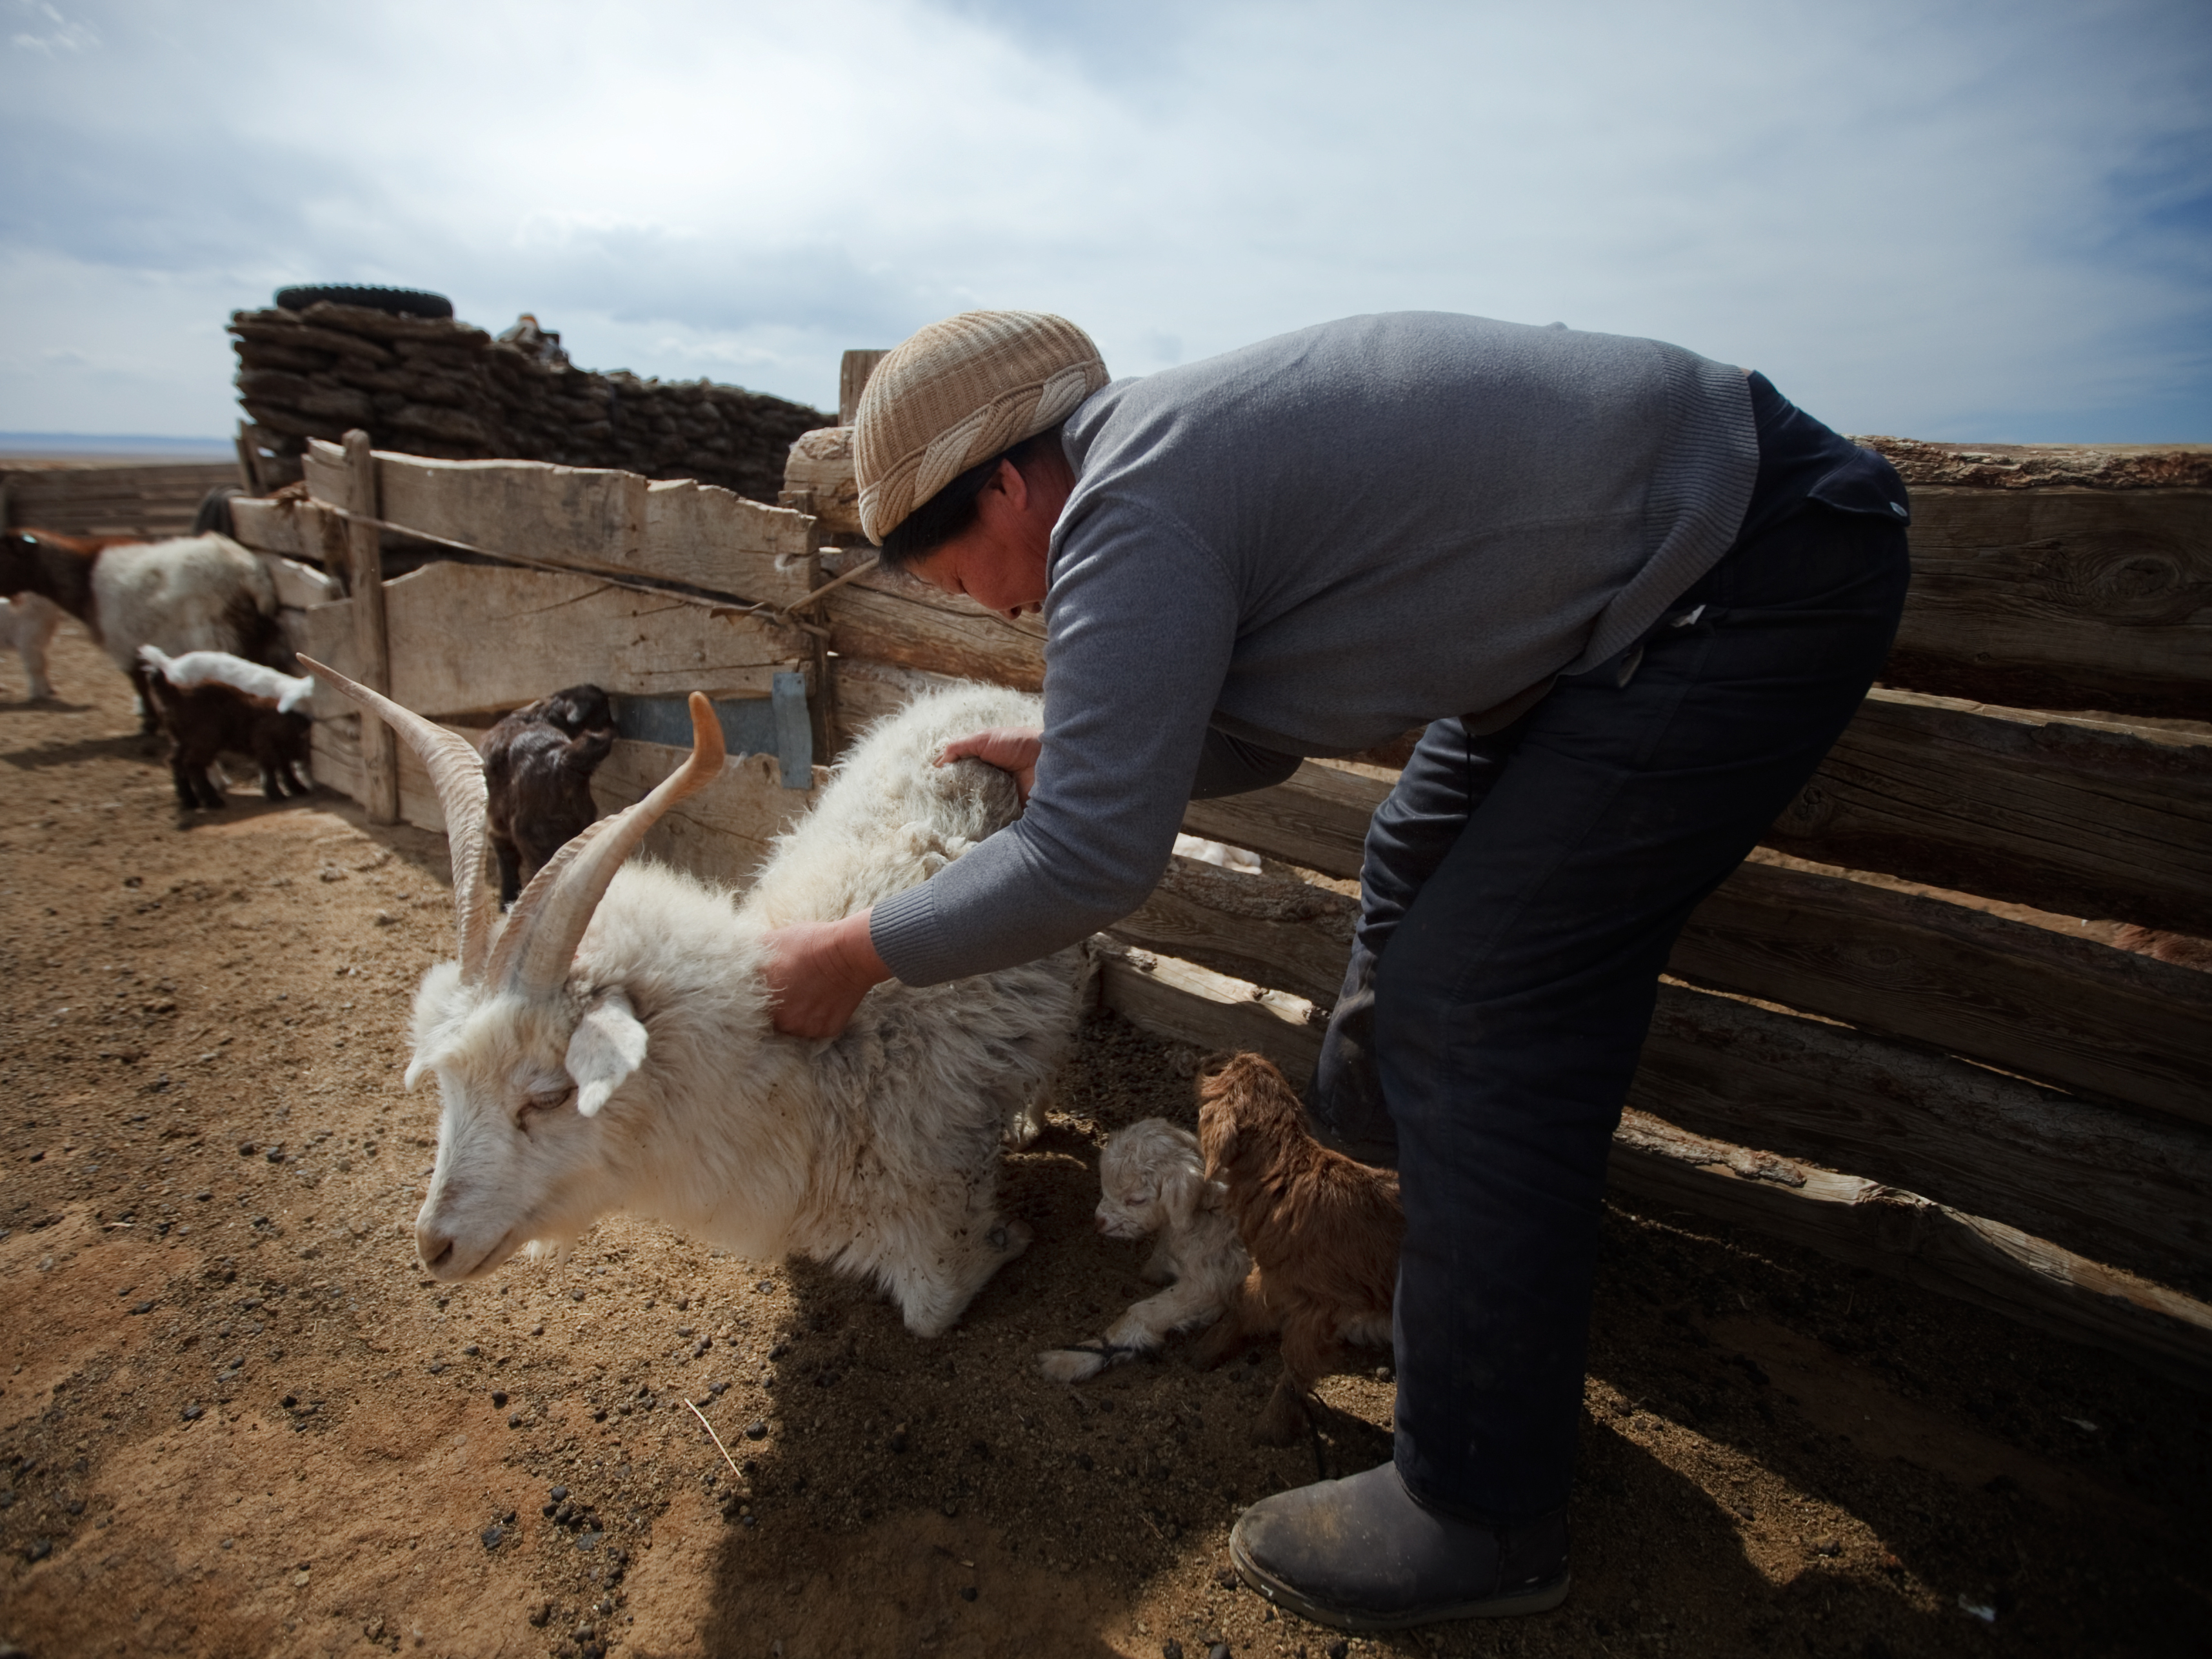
557, 1251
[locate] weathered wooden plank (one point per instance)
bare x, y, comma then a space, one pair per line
1192, 1004
2113, 1025
477, 636
596, 518
372, 643
2129, 1190
322, 464
1317, 819
298, 586
1907, 1237
271, 527
337, 766
2081, 821
724, 833
555, 515
2106, 1023
817, 479
153, 501
713, 537
853, 372
721, 834
1274, 930
2060, 598
1859, 1221
2137, 1192
929, 632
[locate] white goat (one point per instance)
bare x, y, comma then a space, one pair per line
191, 593
287, 693
1151, 1179
27, 625
610, 1046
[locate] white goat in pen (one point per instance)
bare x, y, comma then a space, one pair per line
610, 1048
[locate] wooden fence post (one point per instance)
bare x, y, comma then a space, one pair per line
852, 379
249, 469
380, 759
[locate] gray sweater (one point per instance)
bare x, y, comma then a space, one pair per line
1310, 546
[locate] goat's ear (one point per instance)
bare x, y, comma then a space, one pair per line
1181, 1194
609, 1044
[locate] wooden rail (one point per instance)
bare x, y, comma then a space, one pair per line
150, 501
2061, 598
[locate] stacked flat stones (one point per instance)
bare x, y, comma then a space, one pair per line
448, 390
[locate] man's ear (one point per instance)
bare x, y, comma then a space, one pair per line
609, 1044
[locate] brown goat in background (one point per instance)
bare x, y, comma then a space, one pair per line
539, 762
1323, 1231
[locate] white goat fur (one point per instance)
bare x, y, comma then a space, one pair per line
655, 1084
287, 693
1151, 1179
192, 593
27, 625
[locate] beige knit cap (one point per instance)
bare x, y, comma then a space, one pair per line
955, 394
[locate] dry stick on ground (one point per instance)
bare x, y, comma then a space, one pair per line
717, 1439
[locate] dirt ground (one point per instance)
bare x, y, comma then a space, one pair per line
236, 1418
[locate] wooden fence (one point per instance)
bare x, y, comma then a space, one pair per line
1892, 1036
100, 500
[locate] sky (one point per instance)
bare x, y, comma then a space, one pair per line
1968, 220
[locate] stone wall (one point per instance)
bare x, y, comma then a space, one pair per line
448, 390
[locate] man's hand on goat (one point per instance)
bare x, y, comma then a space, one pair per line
817, 971
1010, 748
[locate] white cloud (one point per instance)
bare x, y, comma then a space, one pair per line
62, 34
1966, 221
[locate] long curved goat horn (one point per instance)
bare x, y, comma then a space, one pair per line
547, 921
456, 774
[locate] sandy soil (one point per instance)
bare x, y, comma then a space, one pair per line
236, 1418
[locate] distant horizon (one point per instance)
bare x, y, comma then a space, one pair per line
112, 443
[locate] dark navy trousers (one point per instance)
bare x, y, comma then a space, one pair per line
1519, 896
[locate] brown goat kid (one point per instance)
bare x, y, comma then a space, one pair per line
1323, 1229
203, 721
539, 762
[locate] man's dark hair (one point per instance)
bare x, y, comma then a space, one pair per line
950, 511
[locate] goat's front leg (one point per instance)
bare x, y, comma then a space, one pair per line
34, 666
510, 868
1184, 1306
1246, 1318
1159, 1267
1311, 1351
148, 723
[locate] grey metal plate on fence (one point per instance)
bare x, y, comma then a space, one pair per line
776, 724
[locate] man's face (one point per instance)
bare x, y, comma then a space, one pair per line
999, 561
997, 574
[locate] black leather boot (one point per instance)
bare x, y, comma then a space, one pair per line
1365, 1554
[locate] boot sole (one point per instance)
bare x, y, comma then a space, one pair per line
1543, 1599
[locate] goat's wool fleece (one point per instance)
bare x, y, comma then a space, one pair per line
654, 1083
957, 394
192, 593
289, 693
890, 817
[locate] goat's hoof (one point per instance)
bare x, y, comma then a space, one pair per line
1070, 1365
1269, 1432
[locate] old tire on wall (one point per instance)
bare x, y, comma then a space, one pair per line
399, 301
